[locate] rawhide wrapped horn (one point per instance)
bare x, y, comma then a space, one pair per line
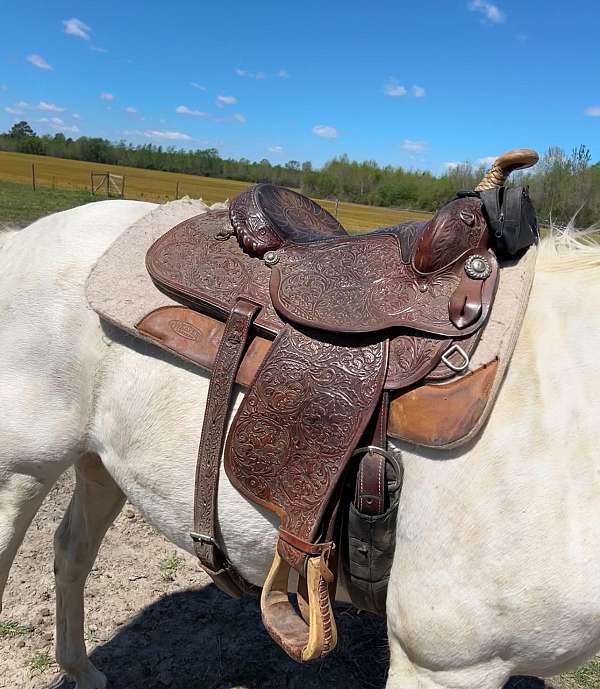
506, 163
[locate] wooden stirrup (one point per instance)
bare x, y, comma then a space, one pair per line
301, 640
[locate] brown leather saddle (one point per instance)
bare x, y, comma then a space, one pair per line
321, 327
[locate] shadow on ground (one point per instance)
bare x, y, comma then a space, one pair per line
200, 639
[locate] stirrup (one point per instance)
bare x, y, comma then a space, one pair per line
301, 640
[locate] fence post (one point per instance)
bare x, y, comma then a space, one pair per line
92, 183
177, 190
33, 175
123, 188
337, 203
108, 185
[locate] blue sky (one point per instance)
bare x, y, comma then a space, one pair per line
419, 84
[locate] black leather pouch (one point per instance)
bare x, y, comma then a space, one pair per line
369, 553
512, 219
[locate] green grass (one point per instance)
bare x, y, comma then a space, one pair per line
587, 677
91, 635
20, 205
10, 629
41, 661
171, 563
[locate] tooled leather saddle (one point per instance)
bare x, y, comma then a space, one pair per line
321, 328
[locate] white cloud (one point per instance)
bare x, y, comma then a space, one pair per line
225, 100
452, 164
53, 120
196, 85
283, 74
393, 88
592, 111
413, 146
490, 11
49, 107
13, 111
418, 91
75, 27
57, 123
97, 49
43, 106
38, 61
106, 96
237, 117
76, 116
485, 161
325, 131
131, 110
250, 75
184, 110
172, 136
276, 149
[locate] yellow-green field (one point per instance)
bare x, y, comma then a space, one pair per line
152, 185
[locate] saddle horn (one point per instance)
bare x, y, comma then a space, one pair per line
517, 159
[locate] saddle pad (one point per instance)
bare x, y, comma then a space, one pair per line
119, 288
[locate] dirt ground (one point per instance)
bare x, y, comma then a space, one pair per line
154, 621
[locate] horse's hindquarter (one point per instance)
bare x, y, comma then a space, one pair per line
48, 337
498, 543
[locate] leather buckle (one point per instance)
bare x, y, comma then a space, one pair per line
204, 539
394, 457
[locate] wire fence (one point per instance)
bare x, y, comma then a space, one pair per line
105, 181
112, 182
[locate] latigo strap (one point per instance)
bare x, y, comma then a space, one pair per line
220, 391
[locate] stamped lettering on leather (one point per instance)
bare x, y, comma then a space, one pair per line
185, 330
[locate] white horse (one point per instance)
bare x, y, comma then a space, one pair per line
497, 566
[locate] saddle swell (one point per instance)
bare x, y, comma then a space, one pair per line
351, 319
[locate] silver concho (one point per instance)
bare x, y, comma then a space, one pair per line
478, 267
271, 258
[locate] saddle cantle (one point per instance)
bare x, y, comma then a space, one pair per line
322, 328
266, 216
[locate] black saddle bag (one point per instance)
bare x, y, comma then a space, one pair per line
511, 217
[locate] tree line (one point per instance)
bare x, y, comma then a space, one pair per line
562, 184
